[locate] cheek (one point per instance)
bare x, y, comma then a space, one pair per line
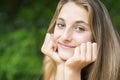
83, 38
57, 34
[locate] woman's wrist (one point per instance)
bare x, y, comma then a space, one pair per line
60, 72
71, 74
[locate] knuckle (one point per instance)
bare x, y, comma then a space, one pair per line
77, 59
42, 49
88, 60
83, 59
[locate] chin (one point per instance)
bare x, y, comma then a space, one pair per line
65, 57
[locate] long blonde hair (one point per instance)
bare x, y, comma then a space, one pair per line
107, 65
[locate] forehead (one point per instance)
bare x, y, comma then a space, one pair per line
73, 11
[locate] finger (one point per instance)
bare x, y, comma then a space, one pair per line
46, 42
51, 47
51, 35
51, 51
82, 51
77, 51
95, 51
56, 57
89, 52
54, 42
47, 37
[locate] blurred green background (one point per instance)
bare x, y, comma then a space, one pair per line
23, 24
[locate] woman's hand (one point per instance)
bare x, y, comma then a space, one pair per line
49, 48
84, 54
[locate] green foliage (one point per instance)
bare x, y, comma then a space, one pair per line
114, 10
19, 58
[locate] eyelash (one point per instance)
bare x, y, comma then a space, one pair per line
60, 25
79, 29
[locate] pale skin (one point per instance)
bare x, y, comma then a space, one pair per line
71, 46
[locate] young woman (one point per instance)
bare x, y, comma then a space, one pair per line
81, 43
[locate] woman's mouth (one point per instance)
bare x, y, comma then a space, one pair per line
66, 45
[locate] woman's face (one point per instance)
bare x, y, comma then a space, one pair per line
71, 29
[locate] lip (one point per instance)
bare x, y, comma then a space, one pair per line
65, 45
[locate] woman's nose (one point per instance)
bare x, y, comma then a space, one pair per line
66, 36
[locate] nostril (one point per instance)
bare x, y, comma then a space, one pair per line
66, 38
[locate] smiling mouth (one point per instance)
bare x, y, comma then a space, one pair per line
66, 46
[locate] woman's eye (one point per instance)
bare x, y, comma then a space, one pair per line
60, 25
79, 29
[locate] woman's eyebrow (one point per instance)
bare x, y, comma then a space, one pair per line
80, 21
61, 19
83, 22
